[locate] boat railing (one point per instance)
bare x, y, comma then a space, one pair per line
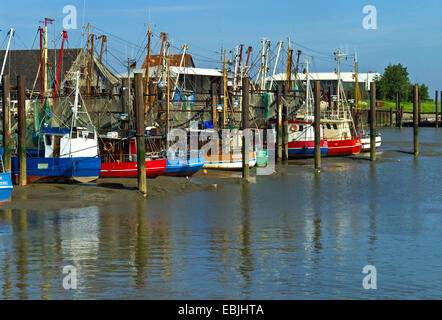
109, 157
342, 138
335, 115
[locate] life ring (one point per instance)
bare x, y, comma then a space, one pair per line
108, 147
294, 128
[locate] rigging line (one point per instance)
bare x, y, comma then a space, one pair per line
33, 43
116, 37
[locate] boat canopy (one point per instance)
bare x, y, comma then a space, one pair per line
55, 130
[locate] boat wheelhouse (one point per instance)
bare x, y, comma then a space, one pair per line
119, 157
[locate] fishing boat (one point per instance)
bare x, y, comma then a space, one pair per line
230, 159
69, 154
339, 128
302, 139
6, 186
366, 141
301, 134
341, 137
180, 164
365, 136
119, 158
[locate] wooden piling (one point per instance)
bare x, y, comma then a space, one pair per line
245, 128
402, 117
279, 123
317, 125
285, 127
6, 124
398, 109
372, 121
21, 83
437, 108
214, 93
391, 117
419, 110
140, 133
416, 119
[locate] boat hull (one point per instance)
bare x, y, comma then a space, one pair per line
76, 169
305, 149
6, 187
154, 168
184, 167
231, 162
344, 147
366, 145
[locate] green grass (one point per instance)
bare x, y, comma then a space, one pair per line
429, 106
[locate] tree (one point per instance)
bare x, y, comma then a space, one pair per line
395, 79
423, 89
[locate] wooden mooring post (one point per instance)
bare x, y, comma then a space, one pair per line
140, 133
317, 125
437, 108
416, 119
6, 124
214, 93
21, 84
245, 128
285, 127
419, 109
398, 109
372, 121
279, 123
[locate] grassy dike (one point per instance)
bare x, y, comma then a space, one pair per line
427, 106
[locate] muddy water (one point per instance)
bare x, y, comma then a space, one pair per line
293, 235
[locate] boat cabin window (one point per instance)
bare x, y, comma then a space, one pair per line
48, 140
301, 128
335, 126
328, 126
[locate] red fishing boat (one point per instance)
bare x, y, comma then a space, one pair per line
339, 128
119, 158
341, 137
302, 139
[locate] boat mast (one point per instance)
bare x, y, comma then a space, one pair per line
307, 97
261, 69
357, 92
289, 66
340, 92
75, 108
185, 46
266, 64
224, 90
147, 67
11, 35
276, 64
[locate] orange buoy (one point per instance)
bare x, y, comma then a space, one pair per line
204, 171
294, 128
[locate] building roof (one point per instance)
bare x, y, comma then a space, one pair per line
329, 76
183, 71
174, 60
26, 62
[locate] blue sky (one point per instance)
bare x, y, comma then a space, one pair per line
409, 32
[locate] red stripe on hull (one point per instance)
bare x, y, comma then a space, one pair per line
344, 147
129, 169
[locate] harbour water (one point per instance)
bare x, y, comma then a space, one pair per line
292, 235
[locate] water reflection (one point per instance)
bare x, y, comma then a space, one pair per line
246, 256
291, 235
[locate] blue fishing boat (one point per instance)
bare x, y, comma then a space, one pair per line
179, 165
5, 181
69, 154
